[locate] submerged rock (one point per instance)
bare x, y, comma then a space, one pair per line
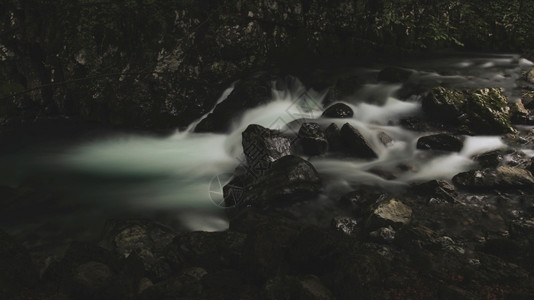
338, 110
442, 141
312, 139
500, 178
355, 143
262, 146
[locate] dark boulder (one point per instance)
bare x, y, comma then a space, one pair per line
289, 179
442, 142
355, 143
18, 273
146, 238
394, 75
500, 178
491, 159
482, 111
312, 139
338, 110
333, 137
247, 94
262, 146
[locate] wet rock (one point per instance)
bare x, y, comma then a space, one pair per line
302, 287
385, 139
437, 189
333, 137
262, 146
145, 238
507, 249
500, 178
491, 159
289, 179
383, 234
442, 142
520, 115
210, 250
357, 201
444, 104
483, 111
338, 110
227, 284
312, 139
186, 285
527, 98
394, 75
247, 94
383, 172
389, 212
18, 272
346, 225
355, 143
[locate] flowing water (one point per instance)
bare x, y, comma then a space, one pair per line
179, 177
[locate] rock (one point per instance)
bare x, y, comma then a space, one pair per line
483, 111
355, 143
338, 110
289, 179
262, 146
437, 188
520, 115
385, 139
209, 250
488, 112
444, 104
226, 284
357, 201
383, 172
491, 159
394, 75
312, 139
529, 76
527, 98
333, 137
290, 287
500, 178
346, 225
18, 273
442, 142
247, 93
383, 234
146, 238
390, 212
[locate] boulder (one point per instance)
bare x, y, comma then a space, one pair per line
338, 110
394, 75
442, 142
389, 212
491, 159
482, 111
289, 179
262, 146
247, 93
355, 143
520, 115
312, 139
333, 137
500, 178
